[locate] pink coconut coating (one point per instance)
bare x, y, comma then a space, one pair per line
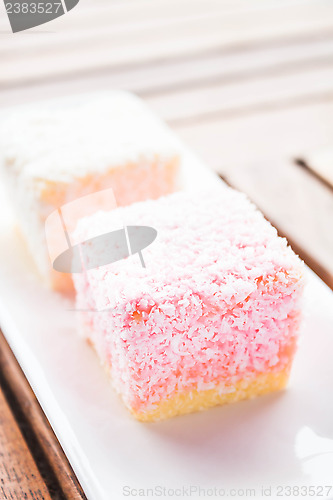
219, 300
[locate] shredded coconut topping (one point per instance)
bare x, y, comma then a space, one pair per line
217, 302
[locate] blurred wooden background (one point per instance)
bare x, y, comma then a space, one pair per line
247, 84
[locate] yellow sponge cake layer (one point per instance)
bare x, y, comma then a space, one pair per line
182, 403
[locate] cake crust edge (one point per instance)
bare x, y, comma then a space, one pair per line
182, 403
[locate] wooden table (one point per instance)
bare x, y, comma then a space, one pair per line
247, 84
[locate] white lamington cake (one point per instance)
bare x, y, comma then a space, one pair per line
53, 153
212, 318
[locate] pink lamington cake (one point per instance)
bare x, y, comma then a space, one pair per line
52, 153
212, 318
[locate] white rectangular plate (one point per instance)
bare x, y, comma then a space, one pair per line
275, 441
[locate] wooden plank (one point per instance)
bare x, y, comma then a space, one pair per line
119, 12
244, 151
261, 136
126, 46
125, 15
155, 10
320, 163
213, 69
195, 104
35, 417
145, 12
19, 476
296, 203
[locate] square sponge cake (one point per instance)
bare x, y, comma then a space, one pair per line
55, 152
213, 316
